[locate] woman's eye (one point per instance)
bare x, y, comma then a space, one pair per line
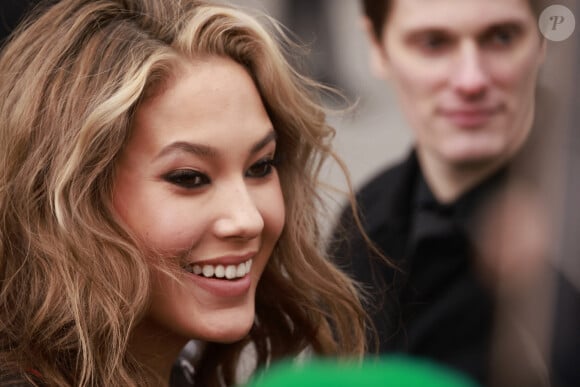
186, 178
261, 169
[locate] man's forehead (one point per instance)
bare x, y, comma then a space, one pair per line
452, 14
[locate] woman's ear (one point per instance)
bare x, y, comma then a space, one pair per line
378, 61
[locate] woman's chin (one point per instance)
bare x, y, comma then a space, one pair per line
233, 336
228, 332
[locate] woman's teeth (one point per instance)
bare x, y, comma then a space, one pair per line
221, 271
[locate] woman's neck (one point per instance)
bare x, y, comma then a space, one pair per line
156, 351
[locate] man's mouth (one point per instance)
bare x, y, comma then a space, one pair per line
228, 272
470, 117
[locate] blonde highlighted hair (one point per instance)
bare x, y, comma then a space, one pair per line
73, 283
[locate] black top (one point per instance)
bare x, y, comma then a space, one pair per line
433, 306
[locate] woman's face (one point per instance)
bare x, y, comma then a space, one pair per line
197, 183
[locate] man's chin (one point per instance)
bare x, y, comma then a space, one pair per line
474, 156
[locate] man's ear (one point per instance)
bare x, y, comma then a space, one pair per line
378, 61
543, 50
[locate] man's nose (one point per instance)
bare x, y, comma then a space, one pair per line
469, 76
239, 216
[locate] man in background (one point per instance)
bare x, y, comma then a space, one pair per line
465, 76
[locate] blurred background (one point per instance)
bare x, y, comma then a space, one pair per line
372, 134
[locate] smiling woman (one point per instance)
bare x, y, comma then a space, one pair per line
197, 186
158, 183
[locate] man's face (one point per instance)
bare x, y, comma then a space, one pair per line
465, 75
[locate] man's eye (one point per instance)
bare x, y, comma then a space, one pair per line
501, 37
432, 42
186, 178
261, 169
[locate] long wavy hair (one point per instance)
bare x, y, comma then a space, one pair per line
73, 282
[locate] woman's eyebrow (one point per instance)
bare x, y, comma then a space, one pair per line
188, 147
207, 151
271, 136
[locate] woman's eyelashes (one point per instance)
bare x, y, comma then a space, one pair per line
262, 168
192, 179
187, 178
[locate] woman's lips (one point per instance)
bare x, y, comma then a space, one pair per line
226, 276
221, 287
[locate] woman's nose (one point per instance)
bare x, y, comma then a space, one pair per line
239, 216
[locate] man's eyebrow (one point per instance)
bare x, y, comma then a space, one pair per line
512, 25
413, 34
507, 22
207, 151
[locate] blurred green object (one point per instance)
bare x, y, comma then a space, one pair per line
395, 371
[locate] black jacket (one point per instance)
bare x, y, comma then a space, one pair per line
432, 304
